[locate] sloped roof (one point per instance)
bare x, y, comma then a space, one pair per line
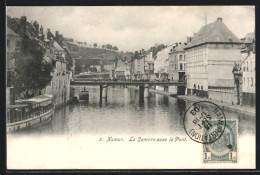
215, 32
57, 46
249, 37
11, 32
178, 48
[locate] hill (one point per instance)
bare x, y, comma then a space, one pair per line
104, 55
88, 56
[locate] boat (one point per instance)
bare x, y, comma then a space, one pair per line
83, 95
30, 112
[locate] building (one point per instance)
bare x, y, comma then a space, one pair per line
139, 67
161, 63
132, 67
55, 54
12, 43
177, 63
127, 71
210, 57
121, 69
166, 69
248, 69
13, 40
148, 62
59, 86
149, 65
122, 72
108, 67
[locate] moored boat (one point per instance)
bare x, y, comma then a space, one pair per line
83, 95
30, 112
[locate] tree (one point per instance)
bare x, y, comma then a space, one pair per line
109, 46
95, 45
137, 55
31, 70
115, 48
77, 67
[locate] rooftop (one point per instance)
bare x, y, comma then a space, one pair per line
10, 32
40, 98
249, 38
215, 32
178, 48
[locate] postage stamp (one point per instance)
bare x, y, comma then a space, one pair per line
225, 148
204, 122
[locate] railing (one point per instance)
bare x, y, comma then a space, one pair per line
77, 82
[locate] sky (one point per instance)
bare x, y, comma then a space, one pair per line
133, 28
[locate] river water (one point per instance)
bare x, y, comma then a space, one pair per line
72, 139
125, 113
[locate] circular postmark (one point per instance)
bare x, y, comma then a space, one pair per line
204, 122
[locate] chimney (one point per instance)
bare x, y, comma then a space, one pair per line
23, 25
57, 35
12, 96
48, 34
41, 30
189, 39
61, 40
36, 25
219, 19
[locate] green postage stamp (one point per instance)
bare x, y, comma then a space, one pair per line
225, 148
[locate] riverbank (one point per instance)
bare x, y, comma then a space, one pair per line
225, 106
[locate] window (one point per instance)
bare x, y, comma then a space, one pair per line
252, 81
180, 57
181, 66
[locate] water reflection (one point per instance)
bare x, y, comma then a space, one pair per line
124, 111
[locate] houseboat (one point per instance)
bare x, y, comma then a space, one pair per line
30, 112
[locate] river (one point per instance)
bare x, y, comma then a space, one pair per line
123, 113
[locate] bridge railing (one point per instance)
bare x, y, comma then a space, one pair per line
82, 82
